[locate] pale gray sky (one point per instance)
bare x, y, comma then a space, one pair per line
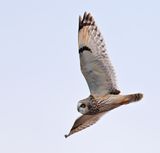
41, 82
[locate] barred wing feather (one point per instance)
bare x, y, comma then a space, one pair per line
95, 64
83, 122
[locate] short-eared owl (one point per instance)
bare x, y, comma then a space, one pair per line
99, 74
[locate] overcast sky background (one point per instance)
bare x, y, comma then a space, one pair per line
41, 82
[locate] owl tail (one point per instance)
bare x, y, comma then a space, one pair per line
132, 98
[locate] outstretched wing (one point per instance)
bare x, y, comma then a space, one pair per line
83, 122
95, 64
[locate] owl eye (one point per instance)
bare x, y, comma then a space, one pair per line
83, 105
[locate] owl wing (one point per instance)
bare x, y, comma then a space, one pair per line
83, 122
95, 64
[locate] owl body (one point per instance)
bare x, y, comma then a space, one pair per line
99, 74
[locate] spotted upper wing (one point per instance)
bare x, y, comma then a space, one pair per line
95, 64
83, 122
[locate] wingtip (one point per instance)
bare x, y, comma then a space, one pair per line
80, 18
85, 14
138, 96
66, 135
141, 95
86, 20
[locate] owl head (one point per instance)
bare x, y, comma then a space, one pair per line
82, 106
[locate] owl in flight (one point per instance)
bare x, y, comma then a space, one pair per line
99, 74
